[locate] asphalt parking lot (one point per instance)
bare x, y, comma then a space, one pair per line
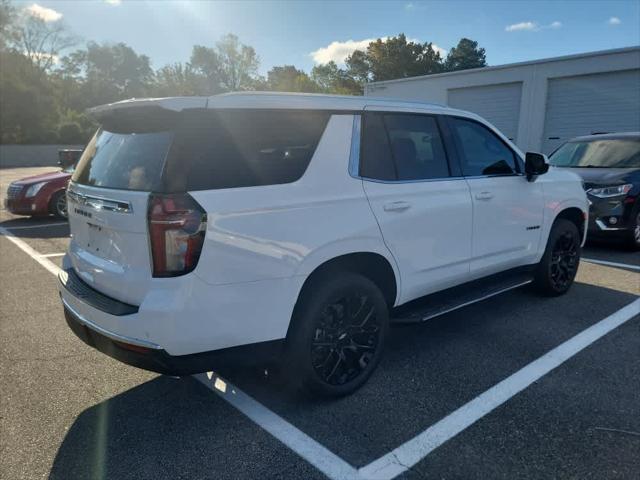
517, 386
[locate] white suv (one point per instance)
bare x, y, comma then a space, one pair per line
234, 227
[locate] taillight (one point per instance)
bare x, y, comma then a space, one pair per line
177, 227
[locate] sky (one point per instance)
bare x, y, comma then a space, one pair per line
304, 33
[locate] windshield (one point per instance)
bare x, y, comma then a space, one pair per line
610, 153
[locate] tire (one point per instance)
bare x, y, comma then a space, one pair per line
557, 270
634, 229
58, 205
329, 351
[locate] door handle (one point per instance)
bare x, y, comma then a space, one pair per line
396, 206
484, 196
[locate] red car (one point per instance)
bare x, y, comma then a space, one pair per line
43, 194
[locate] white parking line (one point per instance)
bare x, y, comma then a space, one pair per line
306, 447
320, 457
411, 452
42, 225
611, 264
22, 245
50, 255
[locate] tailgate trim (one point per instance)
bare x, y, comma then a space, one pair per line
113, 336
73, 284
100, 203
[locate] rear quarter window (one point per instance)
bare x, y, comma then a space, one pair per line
124, 161
220, 149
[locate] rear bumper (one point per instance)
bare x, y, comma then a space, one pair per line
101, 321
154, 358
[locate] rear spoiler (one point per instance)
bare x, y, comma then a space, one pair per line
149, 114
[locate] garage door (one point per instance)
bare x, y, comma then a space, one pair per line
500, 104
586, 104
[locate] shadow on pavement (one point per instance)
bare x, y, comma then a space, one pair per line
167, 428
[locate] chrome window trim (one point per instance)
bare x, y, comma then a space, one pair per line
354, 153
354, 162
474, 177
422, 180
100, 203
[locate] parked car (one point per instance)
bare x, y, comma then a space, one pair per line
43, 194
610, 167
248, 226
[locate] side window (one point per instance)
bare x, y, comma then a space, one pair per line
243, 148
481, 151
416, 147
375, 155
402, 147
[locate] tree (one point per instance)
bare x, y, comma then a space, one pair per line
178, 79
465, 55
358, 66
289, 79
8, 28
41, 41
28, 111
206, 66
238, 64
332, 79
394, 57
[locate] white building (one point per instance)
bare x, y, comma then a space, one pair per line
541, 103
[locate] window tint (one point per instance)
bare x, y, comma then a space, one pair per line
131, 161
402, 147
416, 147
481, 151
242, 148
204, 149
375, 155
612, 153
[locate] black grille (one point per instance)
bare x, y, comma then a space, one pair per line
13, 191
74, 284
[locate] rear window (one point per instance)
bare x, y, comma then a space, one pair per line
218, 149
205, 150
125, 161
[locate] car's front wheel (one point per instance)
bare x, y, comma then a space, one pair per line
559, 265
58, 205
338, 333
634, 231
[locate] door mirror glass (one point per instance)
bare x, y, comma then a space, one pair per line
535, 164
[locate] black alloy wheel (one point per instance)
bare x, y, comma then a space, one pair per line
564, 261
345, 340
337, 335
558, 266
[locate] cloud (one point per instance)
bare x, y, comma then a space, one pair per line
614, 21
409, 6
521, 26
43, 13
532, 26
339, 51
113, 2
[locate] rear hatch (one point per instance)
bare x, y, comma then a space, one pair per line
109, 200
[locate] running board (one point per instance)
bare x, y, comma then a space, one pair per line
446, 301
